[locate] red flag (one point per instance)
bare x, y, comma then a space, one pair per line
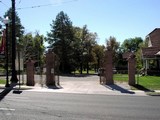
3, 43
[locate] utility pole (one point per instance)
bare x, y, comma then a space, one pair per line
14, 78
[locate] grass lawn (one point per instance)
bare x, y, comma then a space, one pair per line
120, 77
149, 82
84, 72
2, 81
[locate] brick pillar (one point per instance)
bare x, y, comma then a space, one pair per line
131, 69
30, 73
108, 67
50, 77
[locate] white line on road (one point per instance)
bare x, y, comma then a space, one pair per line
6, 109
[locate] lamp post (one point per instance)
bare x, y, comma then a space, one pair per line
6, 23
14, 78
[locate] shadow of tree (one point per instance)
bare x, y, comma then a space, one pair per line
118, 88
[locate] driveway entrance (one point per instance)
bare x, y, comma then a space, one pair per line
79, 84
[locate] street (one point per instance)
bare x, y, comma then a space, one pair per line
66, 106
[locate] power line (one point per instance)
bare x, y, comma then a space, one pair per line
45, 5
19, 2
4, 4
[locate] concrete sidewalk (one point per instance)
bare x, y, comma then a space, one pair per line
82, 85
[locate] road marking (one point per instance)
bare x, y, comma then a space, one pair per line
6, 109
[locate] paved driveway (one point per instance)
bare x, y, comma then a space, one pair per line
88, 84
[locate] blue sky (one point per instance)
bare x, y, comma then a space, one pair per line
119, 18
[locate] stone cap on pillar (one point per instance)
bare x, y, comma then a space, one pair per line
128, 55
50, 50
30, 60
131, 56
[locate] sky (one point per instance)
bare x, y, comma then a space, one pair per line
122, 19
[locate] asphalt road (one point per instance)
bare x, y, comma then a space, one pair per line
62, 106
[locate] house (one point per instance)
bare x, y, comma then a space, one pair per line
151, 54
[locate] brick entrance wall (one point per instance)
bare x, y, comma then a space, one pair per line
108, 67
50, 77
131, 69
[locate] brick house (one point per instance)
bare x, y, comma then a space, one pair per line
152, 53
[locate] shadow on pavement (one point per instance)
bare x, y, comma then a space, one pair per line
140, 87
6, 91
118, 88
54, 87
77, 75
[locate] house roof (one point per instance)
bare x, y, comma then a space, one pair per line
150, 52
154, 50
154, 30
158, 53
154, 37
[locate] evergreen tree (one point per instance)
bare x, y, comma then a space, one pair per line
60, 38
19, 30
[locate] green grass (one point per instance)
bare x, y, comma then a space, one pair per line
120, 77
153, 93
149, 82
2, 81
84, 72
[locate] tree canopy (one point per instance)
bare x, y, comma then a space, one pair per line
114, 45
72, 44
60, 38
132, 44
33, 48
76, 47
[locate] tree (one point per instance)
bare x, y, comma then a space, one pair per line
114, 45
83, 43
19, 30
132, 44
88, 40
89, 43
99, 53
33, 48
28, 43
39, 49
60, 39
77, 49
